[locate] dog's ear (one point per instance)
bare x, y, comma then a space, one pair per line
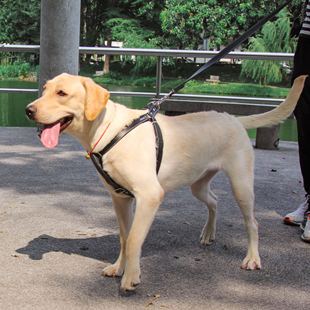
95, 100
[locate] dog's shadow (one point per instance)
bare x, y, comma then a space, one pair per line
99, 248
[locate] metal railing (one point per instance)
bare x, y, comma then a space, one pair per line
160, 54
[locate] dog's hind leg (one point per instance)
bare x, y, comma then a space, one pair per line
241, 173
124, 212
201, 190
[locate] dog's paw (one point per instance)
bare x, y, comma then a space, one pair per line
114, 270
207, 236
251, 263
130, 282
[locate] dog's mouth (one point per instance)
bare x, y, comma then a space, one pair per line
49, 133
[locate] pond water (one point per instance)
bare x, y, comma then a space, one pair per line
12, 107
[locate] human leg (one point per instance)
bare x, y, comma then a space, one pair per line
302, 114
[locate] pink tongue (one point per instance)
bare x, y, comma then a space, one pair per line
50, 136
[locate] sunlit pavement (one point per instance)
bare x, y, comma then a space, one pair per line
58, 231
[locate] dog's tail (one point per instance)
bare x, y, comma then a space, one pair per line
280, 113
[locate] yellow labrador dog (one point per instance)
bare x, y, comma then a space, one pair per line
196, 147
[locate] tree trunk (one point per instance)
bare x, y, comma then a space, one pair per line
106, 66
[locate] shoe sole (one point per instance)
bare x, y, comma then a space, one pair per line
303, 238
288, 221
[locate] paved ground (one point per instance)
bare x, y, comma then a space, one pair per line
58, 230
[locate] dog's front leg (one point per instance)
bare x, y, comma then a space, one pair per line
124, 212
147, 203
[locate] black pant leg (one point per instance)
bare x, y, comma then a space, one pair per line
302, 111
302, 114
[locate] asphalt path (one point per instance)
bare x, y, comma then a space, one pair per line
58, 231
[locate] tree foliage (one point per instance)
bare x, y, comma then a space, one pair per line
135, 23
185, 21
20, 21
93, 16
138, 23
274, 37
132, 34
169, 23
116, 20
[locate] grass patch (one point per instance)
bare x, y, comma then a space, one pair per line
198, 87
235, 89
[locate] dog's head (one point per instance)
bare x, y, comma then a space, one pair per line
67, 102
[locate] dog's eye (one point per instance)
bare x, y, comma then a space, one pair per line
61, 93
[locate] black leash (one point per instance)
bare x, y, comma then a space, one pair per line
154, 106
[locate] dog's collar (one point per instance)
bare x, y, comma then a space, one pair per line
88, 154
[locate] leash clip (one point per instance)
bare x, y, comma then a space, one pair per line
154, 106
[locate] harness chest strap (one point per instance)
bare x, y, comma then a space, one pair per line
97, 157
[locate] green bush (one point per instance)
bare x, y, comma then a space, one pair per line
16, 69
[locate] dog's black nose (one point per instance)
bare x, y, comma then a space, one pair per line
31, 111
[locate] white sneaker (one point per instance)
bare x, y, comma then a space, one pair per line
306, 234
296, 217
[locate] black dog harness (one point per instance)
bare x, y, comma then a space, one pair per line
147, 117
